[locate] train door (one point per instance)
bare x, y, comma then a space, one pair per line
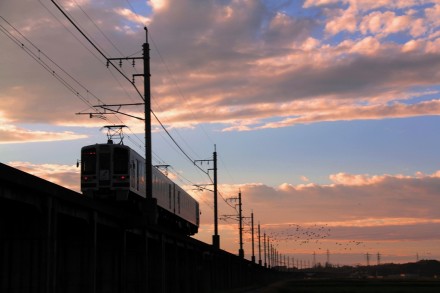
104, 161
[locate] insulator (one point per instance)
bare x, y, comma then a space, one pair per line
120, 63
133, 63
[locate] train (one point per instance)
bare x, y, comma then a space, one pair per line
115, 172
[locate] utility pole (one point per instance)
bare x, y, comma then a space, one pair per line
240, 225
259, 245
240, 218
150, 203
252, 224
269, 252
264, 247
215, 237
328, 258
147, 113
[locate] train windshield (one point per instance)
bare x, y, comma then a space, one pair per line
88, 161
120, 159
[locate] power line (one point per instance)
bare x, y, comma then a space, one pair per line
96, 47
38, 57
84, 46
99, 29
180, 92
110, 63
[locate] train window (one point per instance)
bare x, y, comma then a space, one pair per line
88, 161
104, 161
120, 161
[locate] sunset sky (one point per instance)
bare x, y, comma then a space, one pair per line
324, 113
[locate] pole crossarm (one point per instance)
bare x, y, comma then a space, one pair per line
202, 187
119, 112
120, 105
125, 58
106, 107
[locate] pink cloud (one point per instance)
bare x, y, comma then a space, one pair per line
271, 65
347, 113
64, 175
384, 23
367, 4
130, 15
346, 20
12, 134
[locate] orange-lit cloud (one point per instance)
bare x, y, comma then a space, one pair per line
64, 175
13, 134
351, 200
239, 64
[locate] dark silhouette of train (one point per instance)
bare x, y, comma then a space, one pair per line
116, 172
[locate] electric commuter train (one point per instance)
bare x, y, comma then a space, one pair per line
115, 171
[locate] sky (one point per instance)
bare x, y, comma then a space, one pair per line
324, 113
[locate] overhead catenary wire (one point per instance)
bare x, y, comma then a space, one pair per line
96, 47
47, 67
97, 27
180, 92
39, 56
123, 74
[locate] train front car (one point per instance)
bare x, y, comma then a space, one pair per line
105, 171
116, 172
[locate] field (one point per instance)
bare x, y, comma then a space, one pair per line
354, 286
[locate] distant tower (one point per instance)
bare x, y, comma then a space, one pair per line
378, 258
368, 259
328, 258
314, 259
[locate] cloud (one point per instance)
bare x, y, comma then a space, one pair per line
351, 200
346, 20
237, 62
133, 17
354, 214
382, 24
64, 175
368, 4
12, 134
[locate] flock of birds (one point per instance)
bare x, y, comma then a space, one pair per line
315, 236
